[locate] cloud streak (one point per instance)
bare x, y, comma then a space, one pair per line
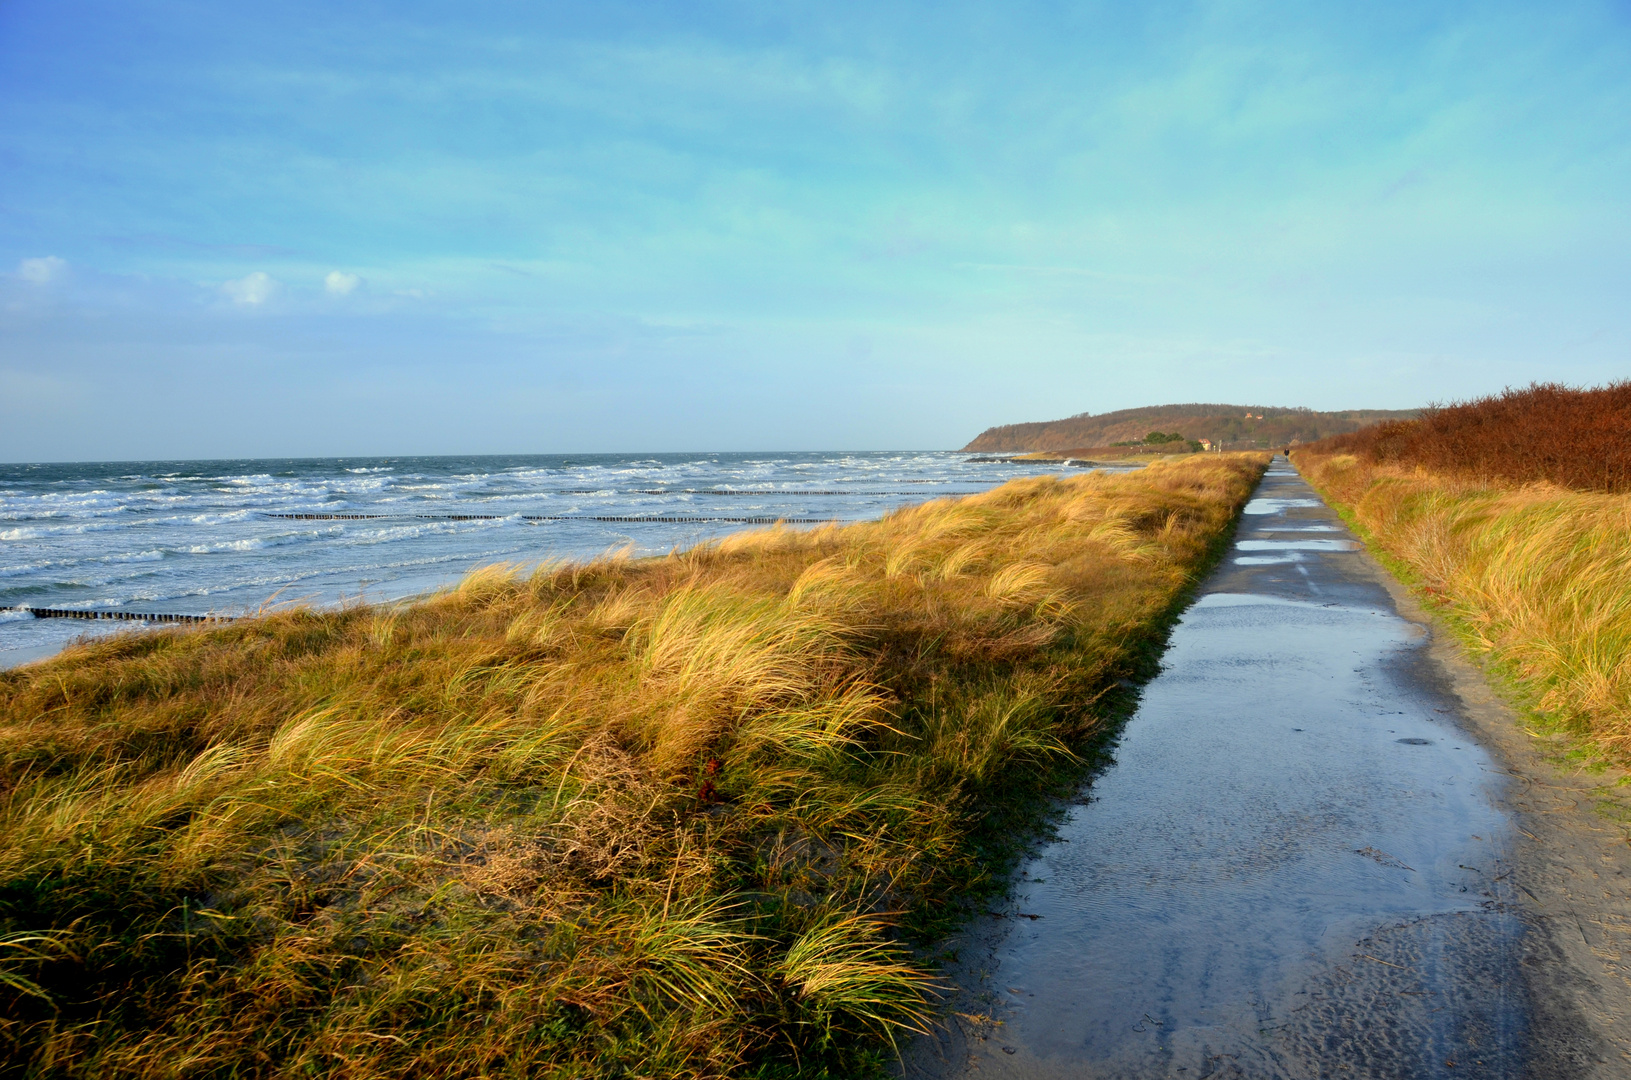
43, 271
252, 290
336, 283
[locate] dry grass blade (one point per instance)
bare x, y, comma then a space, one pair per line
20, 949
842, 971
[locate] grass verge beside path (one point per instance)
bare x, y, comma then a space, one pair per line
1535, 578
669, 817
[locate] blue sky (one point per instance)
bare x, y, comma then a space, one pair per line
361, 228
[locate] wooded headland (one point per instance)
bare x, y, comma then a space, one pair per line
1234, 427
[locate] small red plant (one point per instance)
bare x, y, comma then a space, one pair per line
708, 793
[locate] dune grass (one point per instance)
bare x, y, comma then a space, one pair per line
1535, 577
669, 817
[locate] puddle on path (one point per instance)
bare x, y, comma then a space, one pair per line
1296, 545
1291, 869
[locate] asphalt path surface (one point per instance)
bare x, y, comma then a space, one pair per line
1324, 849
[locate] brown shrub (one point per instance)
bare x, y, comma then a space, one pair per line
1578, 439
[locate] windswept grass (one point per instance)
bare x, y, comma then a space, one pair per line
1537, 578
668, 817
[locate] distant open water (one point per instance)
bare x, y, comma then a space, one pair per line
195, 537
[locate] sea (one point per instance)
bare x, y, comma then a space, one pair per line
236, 537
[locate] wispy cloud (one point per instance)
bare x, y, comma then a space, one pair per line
340, 284
43, 271
252, 290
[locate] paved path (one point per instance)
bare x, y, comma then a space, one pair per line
1303, 862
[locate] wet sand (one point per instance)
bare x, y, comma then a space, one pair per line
1324, 849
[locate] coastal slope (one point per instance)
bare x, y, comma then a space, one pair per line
1232, 426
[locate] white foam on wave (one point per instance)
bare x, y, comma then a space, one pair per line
475, 505
466, 560
251, 543
367, 536
22, 570
42, 532
152, 555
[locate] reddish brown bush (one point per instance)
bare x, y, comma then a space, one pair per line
1579, 439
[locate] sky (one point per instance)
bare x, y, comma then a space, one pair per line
310, 229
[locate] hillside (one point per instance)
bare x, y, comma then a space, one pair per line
1235, 426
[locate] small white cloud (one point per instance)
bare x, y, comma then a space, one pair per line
339, 284
42, 271
256, 288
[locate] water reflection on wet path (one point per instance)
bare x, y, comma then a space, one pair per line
1295, 865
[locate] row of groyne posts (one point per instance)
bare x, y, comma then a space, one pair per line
120, 616
166, 617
